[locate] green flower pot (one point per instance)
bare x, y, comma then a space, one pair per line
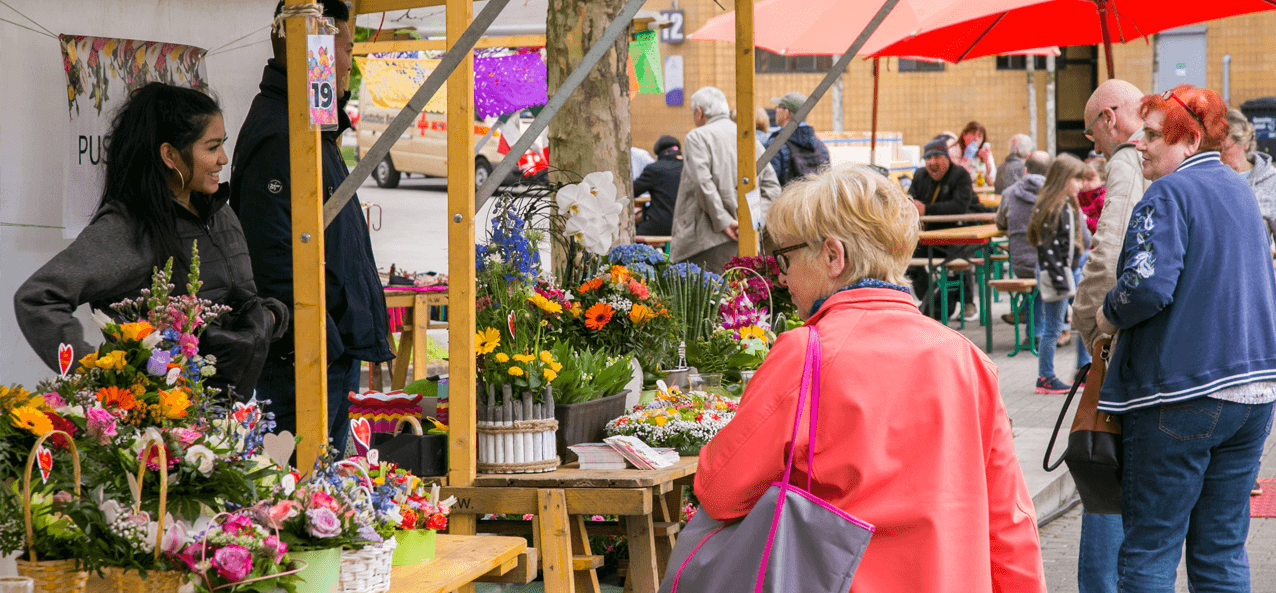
322, 573
415, 546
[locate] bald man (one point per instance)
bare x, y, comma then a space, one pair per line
1112, 115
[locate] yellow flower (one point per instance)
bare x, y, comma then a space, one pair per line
173, 404
619, 274
89, 361
546, 357
576, 310
550, 375
116, 360
486, 340
640, 313
31, 419
502, 357
661, 420
516, 371
556, 367
753, 331
524, 357
136, 331
545, 304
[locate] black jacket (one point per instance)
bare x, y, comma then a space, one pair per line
261, 195
660, 179
107, 264
802, 144
955, 195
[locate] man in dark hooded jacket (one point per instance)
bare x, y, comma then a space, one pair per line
261, 194
660, 179
803, 153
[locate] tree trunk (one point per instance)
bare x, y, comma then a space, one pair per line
591, 133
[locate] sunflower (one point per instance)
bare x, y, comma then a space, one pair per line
31, 419
486, 340
752, 331
598, 316
545, 304
640, 314
114, 397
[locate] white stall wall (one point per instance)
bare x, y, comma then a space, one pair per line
33, 121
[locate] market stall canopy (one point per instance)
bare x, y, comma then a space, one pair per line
827, 27
953, 34
518, 18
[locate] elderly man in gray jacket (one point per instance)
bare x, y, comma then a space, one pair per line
1114, 125
705, 227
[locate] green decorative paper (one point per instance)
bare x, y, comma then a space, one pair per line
644, 51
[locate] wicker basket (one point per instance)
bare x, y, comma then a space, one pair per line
516, 436
50, 576
367, 570
156, 581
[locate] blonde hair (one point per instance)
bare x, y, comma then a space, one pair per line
761, 120
1053, 197
872, 217
1241, 132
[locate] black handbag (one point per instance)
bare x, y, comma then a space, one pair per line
422, 454
1094, 444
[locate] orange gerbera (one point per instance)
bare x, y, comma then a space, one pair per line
597, 316
591, 285
114, 397
640, 313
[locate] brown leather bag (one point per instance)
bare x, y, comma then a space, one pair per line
1094, 444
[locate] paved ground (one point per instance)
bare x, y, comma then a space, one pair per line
413, 235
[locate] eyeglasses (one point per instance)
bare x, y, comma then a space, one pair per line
782, 260
1170, 95
1089, 134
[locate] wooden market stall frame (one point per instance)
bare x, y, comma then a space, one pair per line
310, 214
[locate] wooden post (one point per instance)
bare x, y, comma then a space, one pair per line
460, 194
309, 303
746, 161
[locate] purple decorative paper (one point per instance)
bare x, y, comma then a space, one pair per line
507, 84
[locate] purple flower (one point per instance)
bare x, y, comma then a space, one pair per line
157, 366
279, 547
322, 522
233, 562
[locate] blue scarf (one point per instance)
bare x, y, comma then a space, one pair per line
863, 283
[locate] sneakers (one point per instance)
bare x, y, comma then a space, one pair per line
971, 312
1051, 385
1258, 489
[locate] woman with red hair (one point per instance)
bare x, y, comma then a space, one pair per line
1193, 366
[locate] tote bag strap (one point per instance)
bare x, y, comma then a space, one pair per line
810, 371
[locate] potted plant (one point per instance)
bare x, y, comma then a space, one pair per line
588, 392
681, 421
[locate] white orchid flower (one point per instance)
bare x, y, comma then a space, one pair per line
101, 319
573, 198
151, 340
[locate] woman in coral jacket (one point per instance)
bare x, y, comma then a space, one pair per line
913, 436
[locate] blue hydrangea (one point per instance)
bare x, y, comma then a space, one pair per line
643, 270
688, 269
630, 254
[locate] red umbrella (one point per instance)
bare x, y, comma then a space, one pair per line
954, 36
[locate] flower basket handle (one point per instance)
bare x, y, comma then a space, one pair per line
367, 490
416, 424
163, 499
298, 565
26, 484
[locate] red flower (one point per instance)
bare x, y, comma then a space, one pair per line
408, 519
437, 521
62, 424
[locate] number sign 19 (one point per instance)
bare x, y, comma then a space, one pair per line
321, 78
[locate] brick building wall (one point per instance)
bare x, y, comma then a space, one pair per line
921, 104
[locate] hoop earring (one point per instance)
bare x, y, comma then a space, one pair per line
180, 176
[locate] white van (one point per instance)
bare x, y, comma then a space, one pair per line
422, 148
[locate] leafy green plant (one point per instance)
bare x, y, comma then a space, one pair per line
587, 374
693, 294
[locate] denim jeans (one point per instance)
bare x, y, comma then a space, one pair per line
1187, 472
278, 384
1052, 324
1101, 537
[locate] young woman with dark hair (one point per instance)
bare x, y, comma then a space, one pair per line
161, 194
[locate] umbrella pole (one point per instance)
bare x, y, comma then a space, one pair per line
1107, 37
872, 151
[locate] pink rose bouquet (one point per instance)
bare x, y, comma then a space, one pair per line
240, 553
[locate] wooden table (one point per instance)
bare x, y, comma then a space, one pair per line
990, 200
985, 189
971, 217
648, 501
458, 561
972, 237
416, 321
657, 241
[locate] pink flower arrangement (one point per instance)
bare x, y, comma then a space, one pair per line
322, 522
233, 562
101, 425
235, 552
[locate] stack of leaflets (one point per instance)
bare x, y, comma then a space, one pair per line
621, 451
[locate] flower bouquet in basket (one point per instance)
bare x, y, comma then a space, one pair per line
681, 421
240, 554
